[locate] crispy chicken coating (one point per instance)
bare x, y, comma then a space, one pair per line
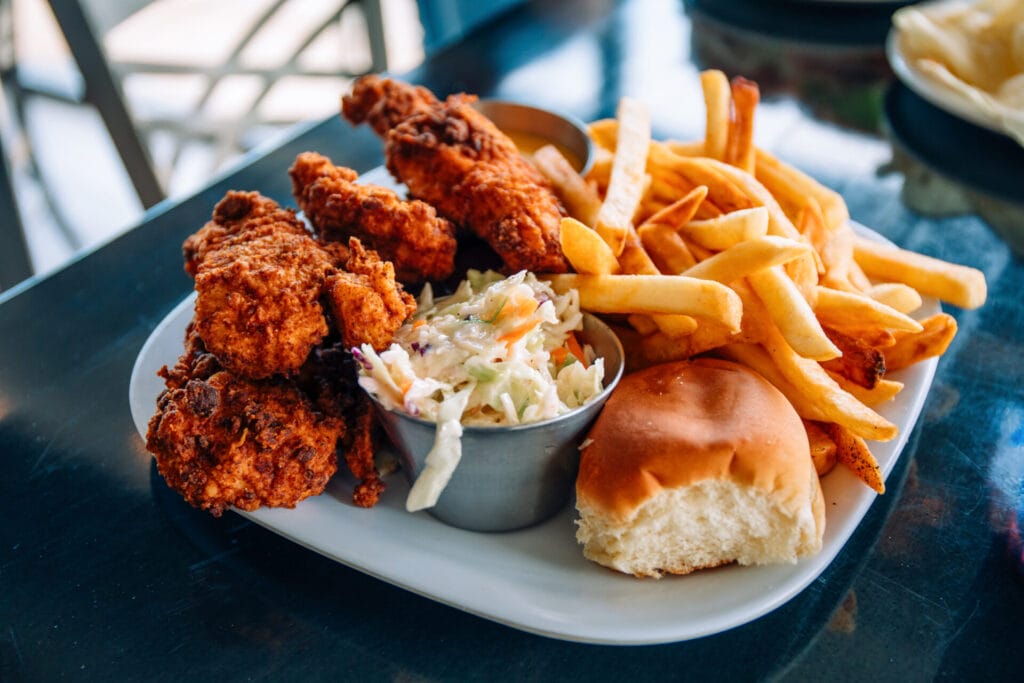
453, 157
261, 278
410, 234
221, 441
368, 305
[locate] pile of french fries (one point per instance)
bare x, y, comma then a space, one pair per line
715, 246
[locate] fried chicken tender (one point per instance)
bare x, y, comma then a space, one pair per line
221, 441
453, 157
368, 304
262, 280
410, 234
330, 378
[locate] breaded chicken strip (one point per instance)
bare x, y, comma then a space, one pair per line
453, 157
368, 304
260, 278
411, 235
222, 441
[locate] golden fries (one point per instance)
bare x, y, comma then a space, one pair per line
586, 251
717, 103
747, 258
626, 186
912, 347
846, 309
740, 150
958, 285
794, 293
854, 453
580, 199
649, 294
729, 229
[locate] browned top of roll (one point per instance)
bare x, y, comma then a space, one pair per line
677, 424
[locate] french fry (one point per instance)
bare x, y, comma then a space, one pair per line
729, 229
897, 295
626, 186
678, 212
758, 360
660, 348
861, 364
832, 205
642, 324
912, 347
959, 285
650, 294
792, 314
883, 391
692, 148
604, 133
748, 257
686, 173
717, 101
854, 453
823, 448
666, 248
836, 254
834, 404
585, 250
740, 150
579, 198
636, 261
847, 309
803, 271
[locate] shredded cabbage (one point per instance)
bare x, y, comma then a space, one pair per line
499, 351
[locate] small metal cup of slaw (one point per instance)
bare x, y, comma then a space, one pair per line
509, 477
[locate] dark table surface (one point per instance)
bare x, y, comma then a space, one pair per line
105, 574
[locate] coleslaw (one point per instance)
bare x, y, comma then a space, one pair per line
498, 352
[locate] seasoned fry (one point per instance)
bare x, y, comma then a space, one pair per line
729, 229
846, 309
792, 314
740, 150
636, 261
823, 448
585, 250
748, 257
897, 295
626, 186
912, 347
835, 404
579, 197
854, 453
717, 101
860, 363
649, 294
959, 285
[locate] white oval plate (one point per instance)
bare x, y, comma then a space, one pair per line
537, 580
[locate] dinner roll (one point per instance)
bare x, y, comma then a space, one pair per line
696, 464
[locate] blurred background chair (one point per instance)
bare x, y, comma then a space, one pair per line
111, 105
108, 106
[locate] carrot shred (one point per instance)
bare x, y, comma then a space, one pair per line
516, 333
575, 349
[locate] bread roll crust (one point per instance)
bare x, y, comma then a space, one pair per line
697, 433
